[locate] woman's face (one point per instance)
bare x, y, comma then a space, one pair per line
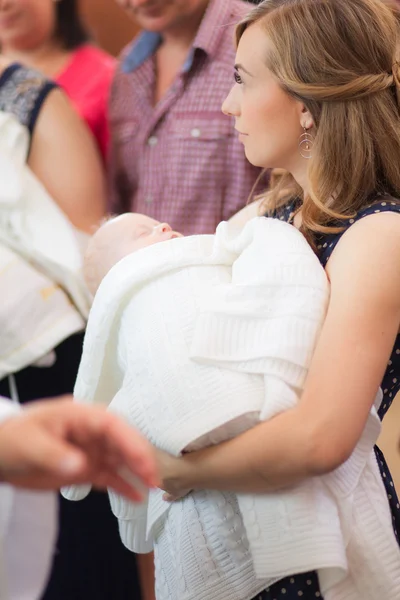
26, 24
269, 120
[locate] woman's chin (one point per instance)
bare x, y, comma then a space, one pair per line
256, 160
264, 161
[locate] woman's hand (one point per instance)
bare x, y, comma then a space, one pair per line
169, 469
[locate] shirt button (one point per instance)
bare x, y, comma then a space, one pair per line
195, 132
152, 141
148, 199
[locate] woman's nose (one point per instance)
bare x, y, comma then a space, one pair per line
230, 106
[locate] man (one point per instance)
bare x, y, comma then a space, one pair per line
48, 445
174, 155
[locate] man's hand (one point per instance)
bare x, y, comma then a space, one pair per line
55, 443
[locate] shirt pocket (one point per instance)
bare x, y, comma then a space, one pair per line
199, 143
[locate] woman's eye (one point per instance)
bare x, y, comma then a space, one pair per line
237, 77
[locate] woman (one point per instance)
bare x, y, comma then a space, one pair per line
63, 156
50, 36
317, 94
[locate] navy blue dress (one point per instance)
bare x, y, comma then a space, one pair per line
306, 585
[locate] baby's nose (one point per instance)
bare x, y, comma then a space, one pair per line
164, 227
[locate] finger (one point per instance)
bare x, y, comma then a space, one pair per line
134, 451
89, 424
130, 478
106, 439
92, 429
54, 456
107, 480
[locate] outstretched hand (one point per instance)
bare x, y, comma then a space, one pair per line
56, 442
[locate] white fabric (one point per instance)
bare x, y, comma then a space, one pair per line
40, 260
28, 528
35, 314
195, 340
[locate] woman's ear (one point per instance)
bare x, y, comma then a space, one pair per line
306, 120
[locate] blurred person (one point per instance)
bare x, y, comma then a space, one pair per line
43, 447
72, 174
49, 35
52, 194
174, 156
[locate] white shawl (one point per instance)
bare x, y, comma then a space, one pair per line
195, 340
45, 298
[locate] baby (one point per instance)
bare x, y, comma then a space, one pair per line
116, 238
194, 341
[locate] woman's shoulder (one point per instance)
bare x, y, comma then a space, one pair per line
373, 234
357, 227
22, 92
384, 203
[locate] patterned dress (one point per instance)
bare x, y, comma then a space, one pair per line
22, 93
306, 585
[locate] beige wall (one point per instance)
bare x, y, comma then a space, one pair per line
109, 25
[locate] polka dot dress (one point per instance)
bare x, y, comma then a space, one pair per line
306, 585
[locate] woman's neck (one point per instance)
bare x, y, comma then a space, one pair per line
300, 175
49, 58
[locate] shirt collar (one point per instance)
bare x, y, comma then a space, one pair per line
143, 47
215, 20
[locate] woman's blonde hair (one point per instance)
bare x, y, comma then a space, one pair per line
340, 58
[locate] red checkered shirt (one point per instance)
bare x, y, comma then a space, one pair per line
180, 161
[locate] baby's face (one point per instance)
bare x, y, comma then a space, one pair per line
119, 237
135, 231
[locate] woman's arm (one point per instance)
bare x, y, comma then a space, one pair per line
65, 159
321, 432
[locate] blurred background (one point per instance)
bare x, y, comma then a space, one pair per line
108, 24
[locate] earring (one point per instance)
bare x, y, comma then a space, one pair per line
306, 142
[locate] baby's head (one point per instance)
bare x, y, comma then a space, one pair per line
116, 238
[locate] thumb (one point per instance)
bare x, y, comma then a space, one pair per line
55, 456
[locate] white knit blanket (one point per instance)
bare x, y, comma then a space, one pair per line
195, 340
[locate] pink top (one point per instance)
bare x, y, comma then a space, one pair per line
87, 79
